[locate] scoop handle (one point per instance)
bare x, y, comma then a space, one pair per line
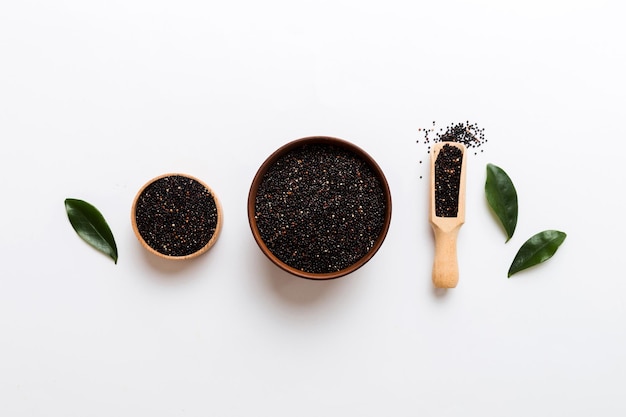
446, 265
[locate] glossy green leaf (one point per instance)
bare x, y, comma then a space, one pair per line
502, 198
90, 225
536, 250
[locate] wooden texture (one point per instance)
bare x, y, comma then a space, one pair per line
446, 229
325, 140
205, 248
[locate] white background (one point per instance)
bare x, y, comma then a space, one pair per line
98, 97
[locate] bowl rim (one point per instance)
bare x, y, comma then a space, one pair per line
206, 247
325, 140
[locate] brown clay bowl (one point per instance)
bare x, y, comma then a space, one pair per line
333, 143
144, 239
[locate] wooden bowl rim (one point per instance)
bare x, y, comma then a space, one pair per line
326, 140
200, 251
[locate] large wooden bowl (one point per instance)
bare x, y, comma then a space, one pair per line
324, 140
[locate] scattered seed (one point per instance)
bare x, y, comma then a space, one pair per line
467, 133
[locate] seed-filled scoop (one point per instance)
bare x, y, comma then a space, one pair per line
447, 209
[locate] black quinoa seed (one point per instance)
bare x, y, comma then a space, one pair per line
447, 181
320, 208
176, 215
467, 133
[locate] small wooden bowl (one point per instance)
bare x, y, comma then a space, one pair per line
197, 252
338, 143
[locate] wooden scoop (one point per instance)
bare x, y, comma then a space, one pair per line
447, 211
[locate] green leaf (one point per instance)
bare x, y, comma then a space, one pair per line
536, 250
502, 198
90, 225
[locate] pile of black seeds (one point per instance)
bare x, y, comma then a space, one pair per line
320, 208
447, 181
176, 215
469, 134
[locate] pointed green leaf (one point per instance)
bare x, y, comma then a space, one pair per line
90, 225
502, 198
536, 250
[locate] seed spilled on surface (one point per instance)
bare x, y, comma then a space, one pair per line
320, 208
469, 134
466, 133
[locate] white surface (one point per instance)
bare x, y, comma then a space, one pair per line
96, 98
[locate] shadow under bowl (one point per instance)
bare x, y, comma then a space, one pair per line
331, 144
